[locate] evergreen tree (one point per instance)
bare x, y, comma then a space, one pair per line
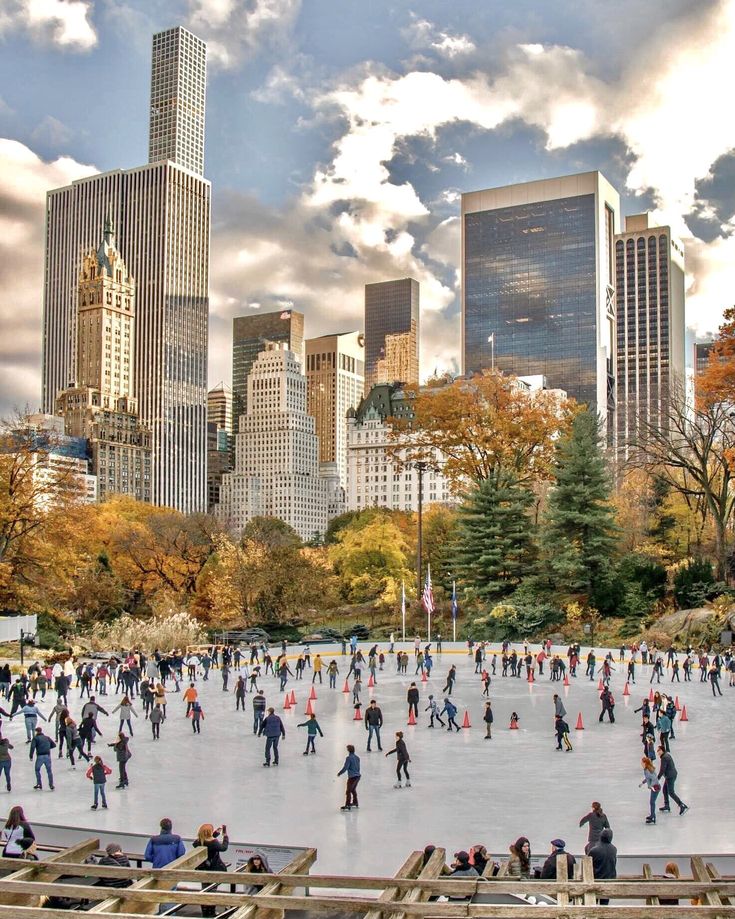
494, 550
578, 529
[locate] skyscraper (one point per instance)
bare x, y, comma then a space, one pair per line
650, 319
335, 377
162, 216
538, 293
276, 470
178, 90
391, 332
250, 334
101, 406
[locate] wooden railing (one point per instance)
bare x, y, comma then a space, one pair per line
413, 892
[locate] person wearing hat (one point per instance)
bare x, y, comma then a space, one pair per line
461, 867
548, 872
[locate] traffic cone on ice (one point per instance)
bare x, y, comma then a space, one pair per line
358, 716
626, 691
309, 709
676, 704
683, 716
371, 682
312, 695
293, 697
424, 678
580, 724
566, 679
411, 717
600, 687
466, 722
346, 687
287, 703
650, 694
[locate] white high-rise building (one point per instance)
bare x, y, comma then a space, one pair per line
161, 213
335, 375
277, 470
178, 90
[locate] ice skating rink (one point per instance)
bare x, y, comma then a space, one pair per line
465, 790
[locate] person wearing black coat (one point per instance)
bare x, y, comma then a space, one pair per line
604, 857
403, 759
209, 837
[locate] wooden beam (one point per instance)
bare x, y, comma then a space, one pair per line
409, 869
47, 869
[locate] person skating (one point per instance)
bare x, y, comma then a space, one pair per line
488, 718
561, 728
274, 730
651, 782
597, 821
402, 760
216, 842
373, 723
412, 697
668, 772
312, 729
41, 747
352, 768
451, 711
435, 713
98, 773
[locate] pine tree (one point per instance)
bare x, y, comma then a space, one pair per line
578, 529
494, 550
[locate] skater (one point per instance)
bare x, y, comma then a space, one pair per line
312, 729
435, 714
651, 782
488, 718
412, 697
562, 734
98, 773
450, 710
598, 822
352, 768
273, 728
373, 723
402, 760
216, 842
668, 772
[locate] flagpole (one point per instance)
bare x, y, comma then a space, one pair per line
403, 607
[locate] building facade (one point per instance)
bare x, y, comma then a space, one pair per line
335, 378
219, 440
276, 471
378, 473
650, 286
178, 94
162, 217
250, 335
391, 332
538, 284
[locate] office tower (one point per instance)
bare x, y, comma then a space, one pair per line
701, 351
335, 376
250, 334
276, 470
378, 476
101, 405
178, 89
161, 213
650, 318
538, 292
391, 332
219, 440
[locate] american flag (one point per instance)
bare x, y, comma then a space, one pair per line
427, 598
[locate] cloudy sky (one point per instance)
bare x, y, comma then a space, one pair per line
341, 132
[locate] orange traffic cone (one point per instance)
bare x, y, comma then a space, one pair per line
358, 716
580, 724
293, 697
650, 694
626, 691
676, 704
466, 722
371, 682
309, 709
424, 678
346, 686
566, 679
411, 717
600, 687
683, 716
287, 702
312, 694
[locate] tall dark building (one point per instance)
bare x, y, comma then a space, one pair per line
650, 316
249, 337
538, 280
391, 332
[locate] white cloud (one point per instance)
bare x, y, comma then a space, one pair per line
65, 23
239, 29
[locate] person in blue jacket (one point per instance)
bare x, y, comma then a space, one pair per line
164, 848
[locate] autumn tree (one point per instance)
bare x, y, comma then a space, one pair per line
484, 425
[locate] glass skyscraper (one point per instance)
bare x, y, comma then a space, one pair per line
538, 284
